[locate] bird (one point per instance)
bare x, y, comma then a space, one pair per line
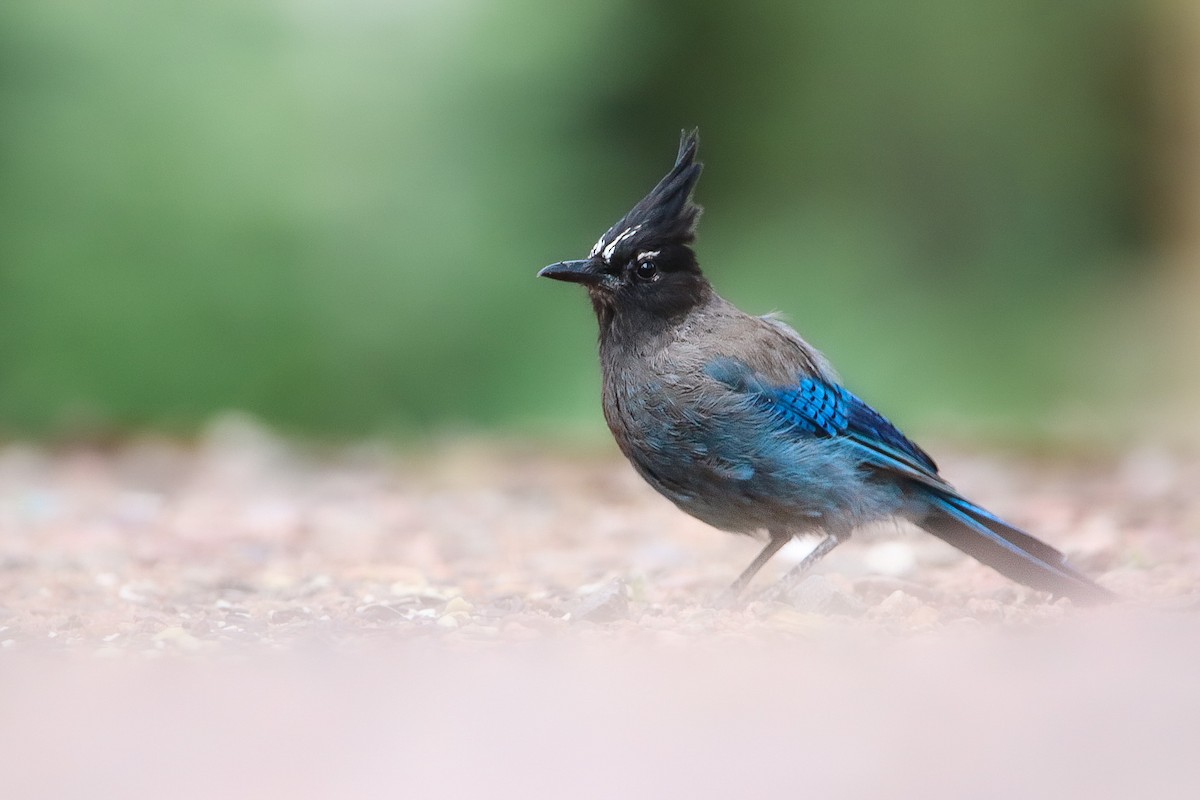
743, 424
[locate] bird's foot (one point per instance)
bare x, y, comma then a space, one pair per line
729, 599
776, 592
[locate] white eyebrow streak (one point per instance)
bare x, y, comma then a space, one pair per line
597, 247
649, 254
612, 246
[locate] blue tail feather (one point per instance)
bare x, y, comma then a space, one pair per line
1007, 549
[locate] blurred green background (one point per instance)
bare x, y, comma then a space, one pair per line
329, 214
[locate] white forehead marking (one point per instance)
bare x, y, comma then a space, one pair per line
597, 247
648, 254
612, 246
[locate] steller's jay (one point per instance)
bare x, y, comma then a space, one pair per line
741, 423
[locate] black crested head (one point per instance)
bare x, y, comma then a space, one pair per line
667, 215
643, 268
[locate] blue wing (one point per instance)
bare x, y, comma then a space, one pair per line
820, 408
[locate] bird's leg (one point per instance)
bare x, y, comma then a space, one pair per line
778, 539
832, 539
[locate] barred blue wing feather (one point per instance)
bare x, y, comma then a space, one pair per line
821, 408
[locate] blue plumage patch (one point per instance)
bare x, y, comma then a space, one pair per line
813, 407
826, 409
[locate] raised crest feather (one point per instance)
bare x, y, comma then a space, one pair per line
667, 215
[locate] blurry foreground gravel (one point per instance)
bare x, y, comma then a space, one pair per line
249, 618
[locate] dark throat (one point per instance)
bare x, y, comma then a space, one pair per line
627, 321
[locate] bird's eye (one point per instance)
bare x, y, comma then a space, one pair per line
646, 270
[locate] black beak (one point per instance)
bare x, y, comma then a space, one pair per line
589, 272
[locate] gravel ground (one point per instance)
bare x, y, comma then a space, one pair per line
155, 547
253, 618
